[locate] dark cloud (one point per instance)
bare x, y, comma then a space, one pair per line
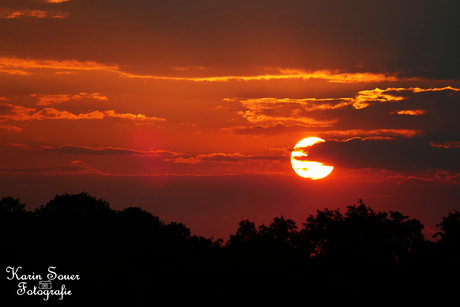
386, 36
61, 169
228, 158
106, 151
381, 112
78, 150
220, 157
398, 155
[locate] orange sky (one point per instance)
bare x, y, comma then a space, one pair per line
191, 110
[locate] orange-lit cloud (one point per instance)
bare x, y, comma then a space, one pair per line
23, 66
55, 1
139, 117
290, 111
51, 113
10, 128
446, 144
189, 68
27, 66
271, 130
14, 71
44, 100
340, 77
431, 89
410, 112
5, 13
20, 113
286, 111
10, 14
366, 97
307, 104
283, 74
363, 134
16, 113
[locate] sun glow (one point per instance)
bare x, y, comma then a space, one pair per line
308, 169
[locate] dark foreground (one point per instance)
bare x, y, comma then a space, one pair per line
77, 243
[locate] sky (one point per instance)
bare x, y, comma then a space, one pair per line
190, 109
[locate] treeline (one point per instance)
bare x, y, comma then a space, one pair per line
131, 256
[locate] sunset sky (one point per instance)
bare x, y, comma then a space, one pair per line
191, 109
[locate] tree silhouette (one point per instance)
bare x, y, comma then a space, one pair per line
450, 228
362, 235
245, 235
14, 229
124, 254
10, 205
68, 206
450, 239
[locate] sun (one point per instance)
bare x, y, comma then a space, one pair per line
305, 168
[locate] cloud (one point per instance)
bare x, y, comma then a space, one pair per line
55, 1
365, 97
342, 77
16, 113
107, 151
24, 66
50, 99
130, 116
286, 111
44, 100
413, 154
373, 133
10, 128
370, 113
11, 14
285, 74
6, 13
51, 113
410, 112
19, 113
260, 109
227, 158
14, 71
27, 66
55, 170
189, 68
446, 144
19, 146
271, 130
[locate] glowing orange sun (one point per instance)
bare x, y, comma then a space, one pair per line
303, 167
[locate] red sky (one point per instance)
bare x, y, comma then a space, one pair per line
190, 109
